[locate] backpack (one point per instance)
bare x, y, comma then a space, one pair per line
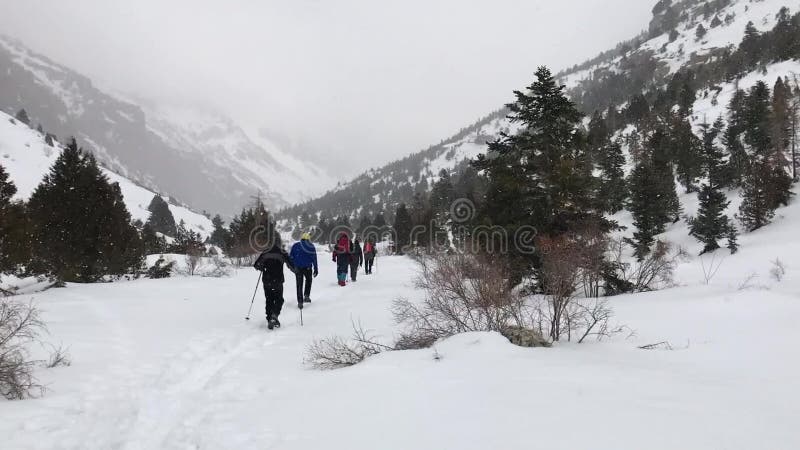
343, 245
368, 247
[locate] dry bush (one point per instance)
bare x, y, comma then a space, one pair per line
219, 268
654, 272
778, 270
20, 326
464, 292
336, 352
59, 357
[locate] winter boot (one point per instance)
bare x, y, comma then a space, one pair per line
299, 305
307, 299
270, 324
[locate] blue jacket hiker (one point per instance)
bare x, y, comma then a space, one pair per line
304, 256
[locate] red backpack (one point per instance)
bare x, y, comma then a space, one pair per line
343, 245
368, 247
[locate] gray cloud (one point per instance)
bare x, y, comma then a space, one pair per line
352, 83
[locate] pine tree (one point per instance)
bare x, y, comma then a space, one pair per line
22, 116
653, 201
161, 219
711, 223
612, 191
402, 228
153, 243
442, 195
14, 243
220, 236
80, 226
700, 32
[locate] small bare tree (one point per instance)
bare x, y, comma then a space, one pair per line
336, 352
20, 326
778, 270
464, 292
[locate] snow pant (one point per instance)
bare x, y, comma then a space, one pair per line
353, 271
341, 268
304, 277
368, 262
274, 295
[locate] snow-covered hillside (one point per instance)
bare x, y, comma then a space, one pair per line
396, 182
27, 158
220, 166
171, 364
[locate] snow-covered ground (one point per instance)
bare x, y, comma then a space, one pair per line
171, 364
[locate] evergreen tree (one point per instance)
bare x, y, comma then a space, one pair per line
700, 32
220, 236
711, 223
739, 160
22, 116
14, 243
80, 226
161, 219
402, 228
442, 195
380, 220
152, 242
684, 147
187, 241
612, 189
653, 200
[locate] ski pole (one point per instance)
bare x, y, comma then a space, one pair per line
301, 317
254, 297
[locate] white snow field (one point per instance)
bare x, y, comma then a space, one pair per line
172, 364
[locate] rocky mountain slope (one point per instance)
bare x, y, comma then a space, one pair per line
203, 159
670, 44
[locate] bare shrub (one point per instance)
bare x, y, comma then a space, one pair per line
20, 326
464, 292
749, 282
219, 268
336, 352
710, 270
778, 270
59, 357
654, 272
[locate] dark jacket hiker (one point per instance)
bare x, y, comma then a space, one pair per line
370, 252
356, 259
270, 264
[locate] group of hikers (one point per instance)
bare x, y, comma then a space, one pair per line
302, 261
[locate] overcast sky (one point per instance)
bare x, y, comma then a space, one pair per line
354, 83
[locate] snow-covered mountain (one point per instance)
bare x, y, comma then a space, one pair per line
27, 157
203, 159
670, 44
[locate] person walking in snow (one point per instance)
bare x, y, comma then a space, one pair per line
304, 257
370, 253
270, 264
356, 259
341, 256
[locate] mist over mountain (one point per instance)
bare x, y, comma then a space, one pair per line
199, 157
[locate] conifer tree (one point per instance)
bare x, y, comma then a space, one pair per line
80, 226
612, 188
402, 228
13, 236
711, 223
22, 116
161, 218
442, 195
220, 236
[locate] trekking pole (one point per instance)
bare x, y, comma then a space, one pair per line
254, 297
301, 317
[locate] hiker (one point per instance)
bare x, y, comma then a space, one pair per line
304, 257
270, 264
341, 256
356, 259
370, 253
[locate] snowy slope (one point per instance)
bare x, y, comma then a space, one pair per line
220, 166
684, 52
170, 364
257, 163
27, 158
